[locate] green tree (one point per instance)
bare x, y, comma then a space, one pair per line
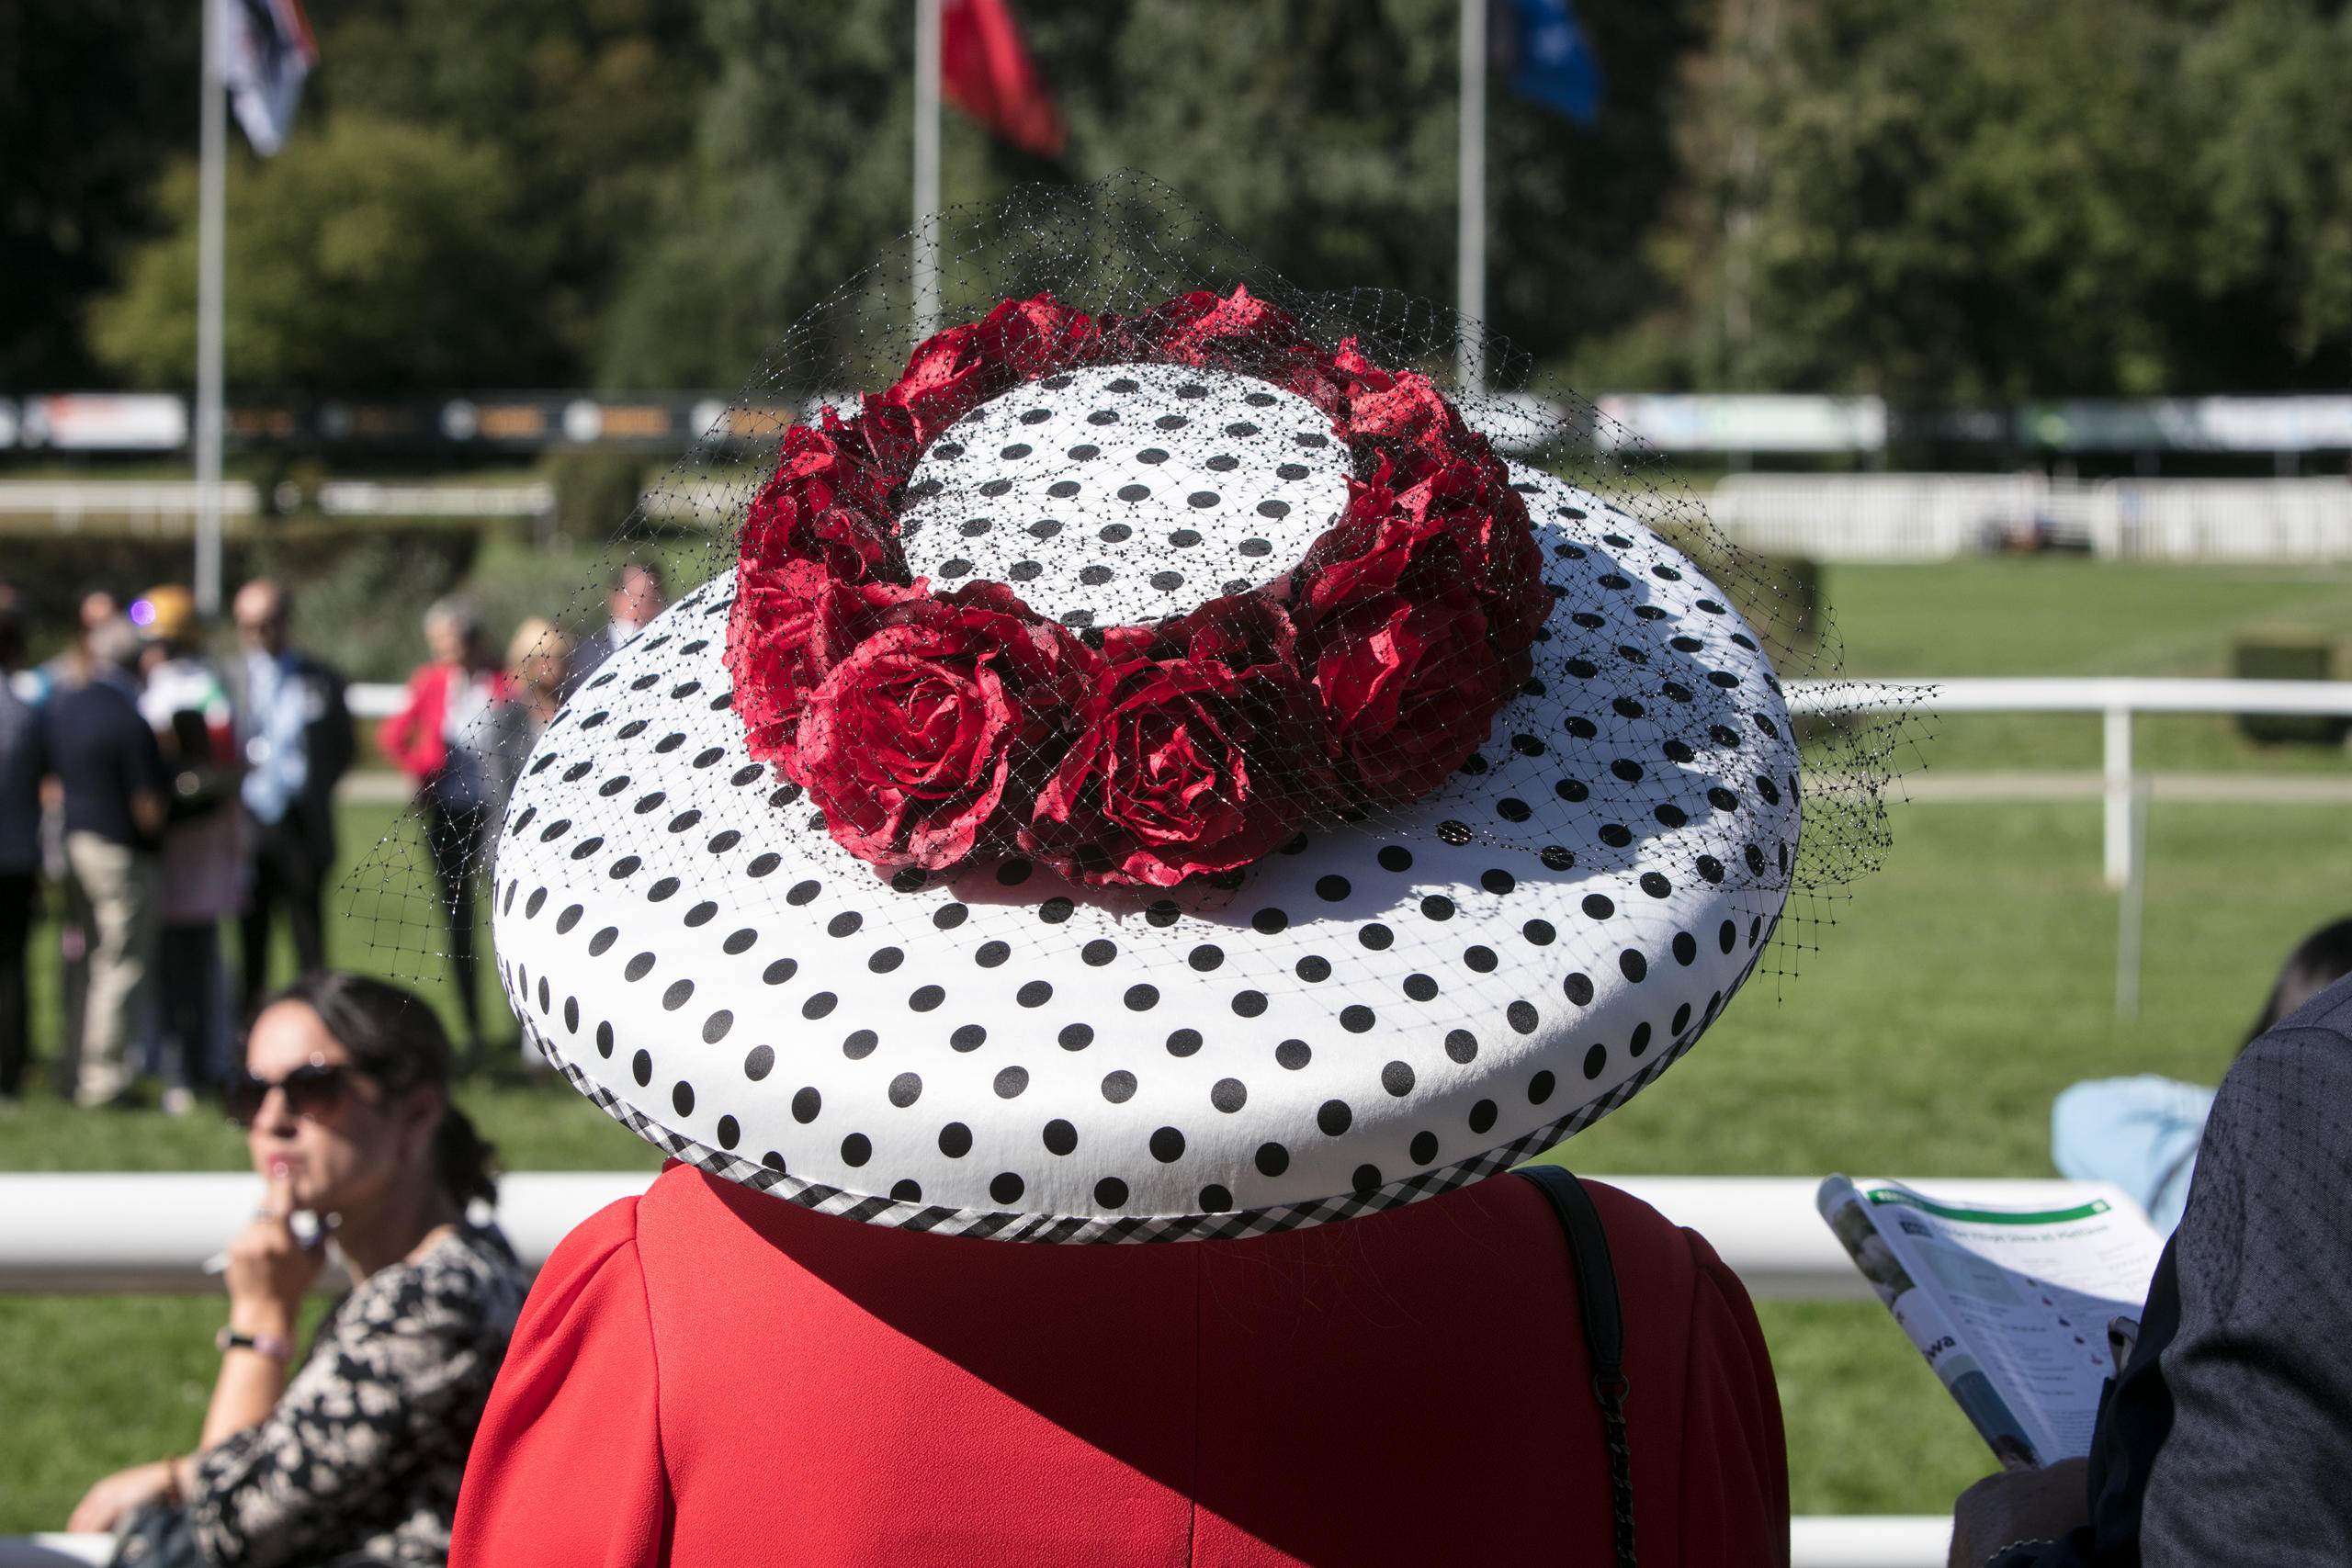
368, 255
1321, 134
1985, 200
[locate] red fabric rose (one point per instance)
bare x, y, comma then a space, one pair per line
787, 630
1179, 769
911, 744
1409, 690
823, 503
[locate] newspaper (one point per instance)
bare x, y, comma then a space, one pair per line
2012, 1307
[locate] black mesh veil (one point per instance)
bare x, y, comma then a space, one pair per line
1121, 248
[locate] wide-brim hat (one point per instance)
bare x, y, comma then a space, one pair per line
969, 1006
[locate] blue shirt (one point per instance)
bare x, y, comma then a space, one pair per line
24, 756
277, 704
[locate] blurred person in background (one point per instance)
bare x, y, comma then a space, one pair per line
95, 606
358, 1457
539, 658
206, 843
445, 738
24, 759
635, 600
110, 775
296, 742
2142, 1132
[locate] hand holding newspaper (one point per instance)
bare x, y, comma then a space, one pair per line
2011, 1307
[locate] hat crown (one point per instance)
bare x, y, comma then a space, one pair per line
1125, 494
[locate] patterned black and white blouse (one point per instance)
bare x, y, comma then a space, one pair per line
367, 1445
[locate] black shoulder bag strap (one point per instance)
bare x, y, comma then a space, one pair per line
1604, 1330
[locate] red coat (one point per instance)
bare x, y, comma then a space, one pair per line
709, 1375
412, 738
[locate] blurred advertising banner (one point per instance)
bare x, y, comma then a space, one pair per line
99, 421
1743, 421
2188, 425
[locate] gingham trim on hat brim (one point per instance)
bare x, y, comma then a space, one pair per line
1095, 1230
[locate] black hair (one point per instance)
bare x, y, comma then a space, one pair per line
397, 1040
2322, 958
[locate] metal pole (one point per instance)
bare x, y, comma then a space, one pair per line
211, 226
1470, 235
926, 242
2117, 766
2135, 888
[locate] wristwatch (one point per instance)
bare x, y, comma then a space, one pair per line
277, 1346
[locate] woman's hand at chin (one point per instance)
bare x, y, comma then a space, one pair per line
269, 1268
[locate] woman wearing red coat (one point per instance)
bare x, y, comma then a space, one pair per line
1094, 935
444, 738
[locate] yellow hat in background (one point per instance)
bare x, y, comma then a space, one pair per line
166, 613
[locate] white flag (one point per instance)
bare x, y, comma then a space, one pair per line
266, 51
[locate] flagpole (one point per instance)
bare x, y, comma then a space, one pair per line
212, 223
926, 242
1470, 235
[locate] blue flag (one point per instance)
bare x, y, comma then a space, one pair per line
1539, 43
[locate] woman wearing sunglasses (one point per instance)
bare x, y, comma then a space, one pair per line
353, 1456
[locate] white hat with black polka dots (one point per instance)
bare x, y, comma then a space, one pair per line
1380, 1012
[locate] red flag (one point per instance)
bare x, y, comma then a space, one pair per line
987, 73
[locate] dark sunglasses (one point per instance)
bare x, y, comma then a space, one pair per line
316, 1088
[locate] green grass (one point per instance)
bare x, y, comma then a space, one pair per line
1933, 1016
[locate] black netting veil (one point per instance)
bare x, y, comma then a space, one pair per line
983, 493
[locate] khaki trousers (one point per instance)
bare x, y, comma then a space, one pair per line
125, 886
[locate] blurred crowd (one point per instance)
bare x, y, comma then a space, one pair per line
156, 781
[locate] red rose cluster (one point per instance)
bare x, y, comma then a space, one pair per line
931, 729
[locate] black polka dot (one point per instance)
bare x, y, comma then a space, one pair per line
1437, 908
738, 941
1598, 907
1110, 1193
662, 891
640, 1067
1075, 1036
569, 919
1062, 1138
730, 1133
885, 959
1395, 857
906, 1190
1009, 1082
1206, 957
1228, 1095
1293, 1055
1035, 994
1014, 873
1682, 1019
1634, 966
1420, 988
715, 1027
1250, 1004
773, 1161
1655, 886
947, 917
639, 968
1396, 1077
905, 1089
601, 943
1167, 1145
969, 1037
1333, 1118
1266, 922
1183, 1042
1482, 1116
1686, 948
954, 1140
1461, 1045
1142, 998
1522, 1016
806, 1103
1331, 889
1498, 881
925, 999
1376, 937
856, 1149
1538, 1088
759, 1062
1271, 1160
819, 1006
1356, 1019
989, 955
1119, 1088
859, 1045
1727, 936
1595, 1060
1423, 1148
604, 1040
680, 993
844, 924
801, 893
1578, 988
1481, 958
1099, 951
